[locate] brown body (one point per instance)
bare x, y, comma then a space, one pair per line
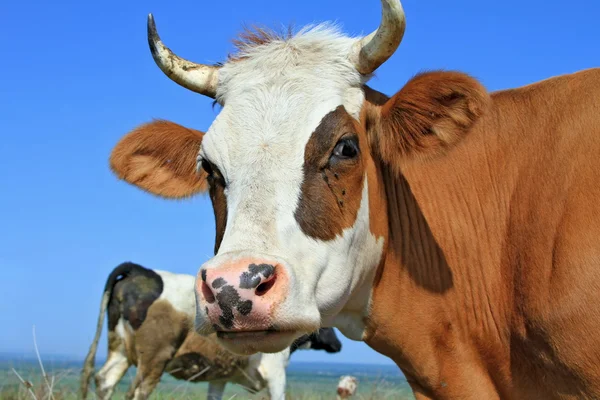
493, 254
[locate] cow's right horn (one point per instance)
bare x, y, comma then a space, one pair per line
199, 78
373, 50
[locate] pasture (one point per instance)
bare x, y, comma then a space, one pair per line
307, 381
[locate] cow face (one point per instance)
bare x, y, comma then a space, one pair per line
291, 177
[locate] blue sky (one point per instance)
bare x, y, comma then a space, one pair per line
75, 76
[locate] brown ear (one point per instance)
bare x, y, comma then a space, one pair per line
160, 157
429, 115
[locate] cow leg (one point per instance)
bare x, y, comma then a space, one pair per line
272, 368
149, 371
134, 385
215, 390
157, 340
113, 369
149, 381
110, 374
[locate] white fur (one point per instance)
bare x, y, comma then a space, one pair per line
272, 368
272, 102
177, 289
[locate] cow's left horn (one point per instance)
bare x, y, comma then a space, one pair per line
199, 78
373, 50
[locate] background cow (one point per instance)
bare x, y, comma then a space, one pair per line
346, 387
150, 319
472, 215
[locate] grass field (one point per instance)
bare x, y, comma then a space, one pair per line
306, 381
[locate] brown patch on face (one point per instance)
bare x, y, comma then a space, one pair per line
332, 188
160, 157
216, 191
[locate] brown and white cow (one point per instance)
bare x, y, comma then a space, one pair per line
474, 216
346, 387
150, 325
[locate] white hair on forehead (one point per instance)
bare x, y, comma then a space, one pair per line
315, 54
275, 92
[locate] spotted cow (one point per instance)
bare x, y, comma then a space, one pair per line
452, 229
150, 325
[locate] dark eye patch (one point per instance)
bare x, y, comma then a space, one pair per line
216, 191
332, 169
324, 140
212, 172
207, 167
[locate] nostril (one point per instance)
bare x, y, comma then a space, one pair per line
264, 287
207, 293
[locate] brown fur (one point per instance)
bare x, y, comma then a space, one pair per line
488, 205
160, 157
328, 202
221, 364
429, 115
156, 347
496, 280
156, 342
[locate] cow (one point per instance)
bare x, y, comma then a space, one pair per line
346, 387
452, 229
150, 317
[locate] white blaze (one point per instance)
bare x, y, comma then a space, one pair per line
273, 100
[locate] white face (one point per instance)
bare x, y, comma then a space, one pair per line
273, 100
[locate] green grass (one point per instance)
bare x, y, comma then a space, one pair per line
305, 382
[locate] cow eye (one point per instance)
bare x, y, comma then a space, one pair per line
346, 148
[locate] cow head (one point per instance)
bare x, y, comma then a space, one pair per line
291, 164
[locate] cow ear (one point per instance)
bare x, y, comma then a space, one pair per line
160, 157
431, 113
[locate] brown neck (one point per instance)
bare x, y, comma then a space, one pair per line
443, 265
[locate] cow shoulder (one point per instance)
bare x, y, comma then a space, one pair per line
160, 157
431, 113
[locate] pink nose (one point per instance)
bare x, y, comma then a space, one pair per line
241, 295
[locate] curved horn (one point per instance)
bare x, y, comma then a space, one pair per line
199, 78
373, 50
